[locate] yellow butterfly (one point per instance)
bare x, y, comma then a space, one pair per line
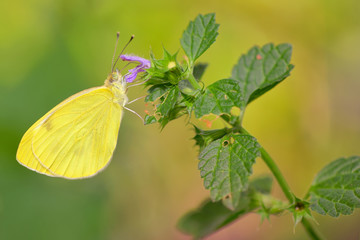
77, 138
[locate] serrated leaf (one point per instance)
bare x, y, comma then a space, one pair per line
211, 216
174, 113
219, 98
226, 164
199, 35
336, 188
261, 69
156, 92
169, 101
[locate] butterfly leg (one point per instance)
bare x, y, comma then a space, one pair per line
130, 110
136, 99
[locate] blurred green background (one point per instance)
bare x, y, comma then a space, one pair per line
53, 49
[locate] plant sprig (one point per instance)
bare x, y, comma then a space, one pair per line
227, 155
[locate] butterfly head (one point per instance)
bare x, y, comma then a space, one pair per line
117, 82
132, 74
114, 77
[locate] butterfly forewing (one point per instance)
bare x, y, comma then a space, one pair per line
24, 154
77, 138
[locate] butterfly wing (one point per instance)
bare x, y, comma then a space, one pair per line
24, 153
76, 139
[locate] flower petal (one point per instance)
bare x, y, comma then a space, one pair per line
132, 74
144, 63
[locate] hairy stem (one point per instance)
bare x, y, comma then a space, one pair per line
310, 230
285, 187
278, 175
276, 172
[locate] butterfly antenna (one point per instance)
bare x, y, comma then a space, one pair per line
117, 59
116, 44
125, 66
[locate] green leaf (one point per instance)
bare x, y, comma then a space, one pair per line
149, 119
211, 216
219, 98
169, 101
199, 36
226, 164
208, 218
205, 137
174, 113
336, 189
156, 91
261, 69
262, 184
187, 101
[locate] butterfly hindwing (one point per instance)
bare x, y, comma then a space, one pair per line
76, 139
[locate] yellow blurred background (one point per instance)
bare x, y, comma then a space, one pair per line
53, 49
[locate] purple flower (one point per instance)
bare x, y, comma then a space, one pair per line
132, 74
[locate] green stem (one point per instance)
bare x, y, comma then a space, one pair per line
193, 82
276, 171
310, 230
278, 175
285, 187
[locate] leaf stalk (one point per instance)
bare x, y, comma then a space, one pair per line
193, 82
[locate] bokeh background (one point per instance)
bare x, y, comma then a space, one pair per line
52, 49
